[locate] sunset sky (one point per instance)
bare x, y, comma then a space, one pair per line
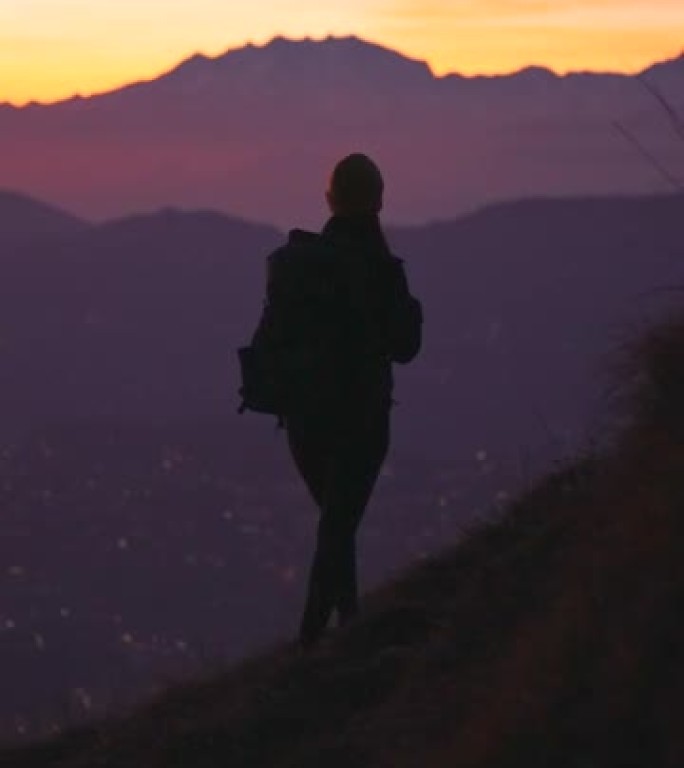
50, 49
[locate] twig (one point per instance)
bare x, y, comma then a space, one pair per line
674, 116
662, 170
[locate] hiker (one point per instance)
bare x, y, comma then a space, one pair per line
338, 312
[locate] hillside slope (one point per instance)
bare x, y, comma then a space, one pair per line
551, 637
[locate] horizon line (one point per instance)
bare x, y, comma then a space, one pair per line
166, 209
76, 95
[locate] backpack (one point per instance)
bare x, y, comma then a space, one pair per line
326, 313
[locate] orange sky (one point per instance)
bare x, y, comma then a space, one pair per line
51, 49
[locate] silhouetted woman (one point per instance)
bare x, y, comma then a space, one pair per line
339, 313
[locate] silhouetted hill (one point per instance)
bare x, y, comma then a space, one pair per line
24, 221
551, 637
141, 317
525, 303
212, 133
123, 320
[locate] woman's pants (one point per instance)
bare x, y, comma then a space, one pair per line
339, 455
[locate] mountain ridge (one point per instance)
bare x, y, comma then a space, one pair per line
180, 213
24, 219
257, 130
280, 47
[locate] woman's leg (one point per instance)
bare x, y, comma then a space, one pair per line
311, 447
340, 463
358, 467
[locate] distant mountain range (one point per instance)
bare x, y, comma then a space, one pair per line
140, 317
256, 130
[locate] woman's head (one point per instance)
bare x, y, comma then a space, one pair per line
355, 187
